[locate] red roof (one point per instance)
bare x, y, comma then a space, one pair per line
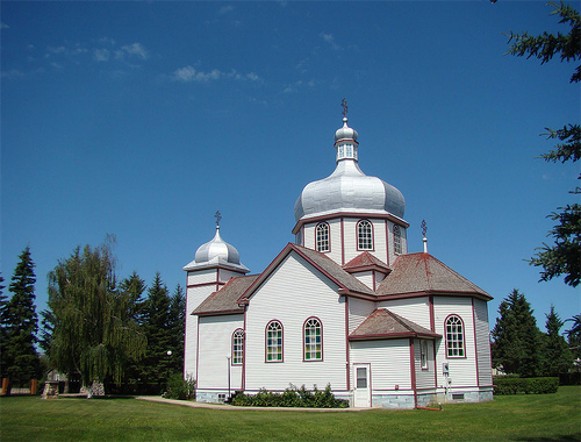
384, 324
366, 261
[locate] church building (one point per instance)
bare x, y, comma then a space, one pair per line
345, 305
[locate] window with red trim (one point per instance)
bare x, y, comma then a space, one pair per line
274, 342
364, 235
322, 237
238, 347
313, 340
455, 337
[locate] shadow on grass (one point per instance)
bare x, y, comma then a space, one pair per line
561, 438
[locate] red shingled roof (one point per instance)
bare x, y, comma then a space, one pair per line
225, 300
384, 324
422, 273
366, 261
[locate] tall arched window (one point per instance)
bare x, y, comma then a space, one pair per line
455, 337
274, 342
397, 248
238, 347
313, 340
364, 235
322, 237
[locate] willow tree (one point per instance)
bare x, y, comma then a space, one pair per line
94, 334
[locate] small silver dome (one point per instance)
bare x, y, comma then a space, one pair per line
346, 132
216, 252
348, 189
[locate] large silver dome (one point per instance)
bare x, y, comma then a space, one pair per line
348, 189
216, 252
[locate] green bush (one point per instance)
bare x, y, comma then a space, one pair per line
291, 397
180, 388
510, 385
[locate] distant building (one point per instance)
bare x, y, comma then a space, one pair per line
345, 305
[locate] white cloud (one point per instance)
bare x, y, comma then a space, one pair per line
136, 50
189, 74
330, 39
101, 54
299, 84
225, 9
4, 26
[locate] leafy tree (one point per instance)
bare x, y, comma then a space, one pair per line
20, 361
557, 356
94, 334
156, 365
177, 315
517, 346
563, 257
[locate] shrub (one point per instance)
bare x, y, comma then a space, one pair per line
180, 388
509, 385
291, 397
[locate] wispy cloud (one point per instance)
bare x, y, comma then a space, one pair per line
132, 50
4, 26
226, 9
188, 74
297, 85
330, 40
102, 54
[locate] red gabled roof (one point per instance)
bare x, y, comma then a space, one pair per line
418, 273
384, 324
346, 282
225, 300
366, 261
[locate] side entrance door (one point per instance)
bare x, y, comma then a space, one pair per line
362, 392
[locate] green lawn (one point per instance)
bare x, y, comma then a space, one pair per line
552, 417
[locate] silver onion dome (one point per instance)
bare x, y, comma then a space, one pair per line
348, 189
216, 252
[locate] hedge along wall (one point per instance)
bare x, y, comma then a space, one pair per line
511, 385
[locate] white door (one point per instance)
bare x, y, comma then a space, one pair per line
362, 392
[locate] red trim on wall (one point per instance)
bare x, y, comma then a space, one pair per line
373, 280
304, 343
342, 241
432, 317
347, 346
476, 353
386, 243
413, 372
197, 353
244, 350
205, 284
435, 364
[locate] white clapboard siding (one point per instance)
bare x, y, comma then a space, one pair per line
424, 377
390, 362
414, 309
215, 346
201, 276
366, 278
359, 309
462, 370
294, 292
404, 242
226, 275
335, 252
483, 343
194, 297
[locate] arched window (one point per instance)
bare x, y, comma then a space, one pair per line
455, 337
274, 342
313, 340
364, 235
397, 248
238, 347
322, 240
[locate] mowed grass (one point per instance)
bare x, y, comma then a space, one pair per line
553, 417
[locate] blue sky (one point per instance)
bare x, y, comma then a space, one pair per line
141, 119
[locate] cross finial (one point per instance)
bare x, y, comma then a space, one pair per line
345, 107
218, 217
424, 228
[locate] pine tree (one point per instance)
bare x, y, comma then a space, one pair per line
20, 361
94, 334
557, 356
574, 336
3, 325
156, 365
517, 346
178, 328
134, 287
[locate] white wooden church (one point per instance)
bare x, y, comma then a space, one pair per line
345, 305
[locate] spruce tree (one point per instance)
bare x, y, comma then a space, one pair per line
557, 356
3, 325
20, 361
517, 346
178, 328
156, 365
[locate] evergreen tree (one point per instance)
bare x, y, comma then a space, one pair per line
47, 329
574, 336
557, 356
517, 346
134, 287
178, 328
156, 365
94, 334
20, 361
563, 257
3, 325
